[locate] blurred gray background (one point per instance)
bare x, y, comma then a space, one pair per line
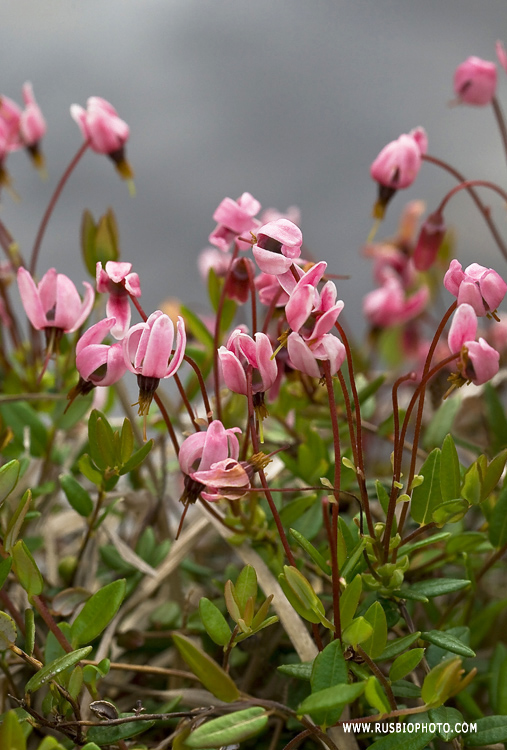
290, 100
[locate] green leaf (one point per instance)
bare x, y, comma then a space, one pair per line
438, 586
351, 563
16, 521
413, 741
29, 631
51, 670
90, 746
301, 671
427, 496
329, 668
20, 416
78, 497
246, 587
88, 232
349, 600
5, 569
137, 458
26, 569
11, 733
442, 421
9, 475
110, 735
407, 549
88, 470
126, 441
213, 677
497, 421
445, 715
98, 612
440, 683
490, 731
405, 663
311, 551
93, 440
498, 679
357, 632
375, 696
231, 601
451, 511
8, 631
375, 645
105, 442
229, 729
290, 512
471, 489
214, 622
195, 326
450, 478
497, 528
305, 612
397, 646
448, 642
331, 699
303, 590
467, 541
492, 475
75, 682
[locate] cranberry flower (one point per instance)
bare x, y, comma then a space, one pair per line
277, 245
118, 281
428, 244
397, 166
106, 132
317, 311
481, 287
305, 355
233, 219
242, 351
478, 361
148, 352
54, 303
475, 81
32, 125
389, 306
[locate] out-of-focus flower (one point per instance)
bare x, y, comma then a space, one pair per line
118, 281
148, 352
501, 55
304, 356
212, 258
481, 287
32, 126
478, 361
235, 218
54, 303
277, 245
269, 289
107, 133
272, 214
10, 116
228, 479
397, 166
200, 451
389, 306
428, 244
475, 81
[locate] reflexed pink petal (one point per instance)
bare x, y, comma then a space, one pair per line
117, 271
47, 289
301, 357
119, 308
326, 321
332, 349
453, 277
271, 262
179, 353
133, 285
265, 361
31, 300
233, 372
86, 307
191, 449
131, 345
68, 303
463, 327
300, 305
469, 293
216, 446
90, 359
95, 334
484, 359
159, 347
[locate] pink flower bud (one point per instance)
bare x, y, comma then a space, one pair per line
106, 132
242, 351
305, 356
478, 361
388, 305
428, 244
278, 245
475, 81
463, 327
397, 166
481, 287
32, 125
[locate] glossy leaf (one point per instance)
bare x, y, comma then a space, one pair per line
398, 645
450, 478
375, 645
441, 682
405, 663
246, 586
213, 677
8, 630
137, 458
16, 521
9, 475
329, 668
445, 715
448, 642
407, 549
110, 735
87, 469
492, 474
78, 497
471, 489
54, 668
413, 741
305, 612
490, 731
439, 586
29, 631
427, 496
375, 696
310, 550
301, 671
349, 601
98, 612
229, 729
126, 441
231, 601
357, 632
303, 590
214, 622
26, 569
451, 511
497, 420
331, 699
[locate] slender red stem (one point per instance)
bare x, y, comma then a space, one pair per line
167, 420
468, 184
52, 204
500, 121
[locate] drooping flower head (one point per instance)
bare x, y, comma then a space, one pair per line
306, 355
235, 218
478, 361
481, 287
397, 166
107, 133
277, 245
389, 305
475, 81
32, 126
430, 239
117, 280
148, 352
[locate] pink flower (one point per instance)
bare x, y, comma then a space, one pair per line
501, 55
227, 478
478, 361
388, 305
475, 81
242, 351
481, 287
277, 245
118, 281
106, 132
10, 116
54, 302
305, 355
148, 352
98, 363
32, 125
428, 244
306, 302
269, 289
234, 218
213, 258
272, 214
203, 450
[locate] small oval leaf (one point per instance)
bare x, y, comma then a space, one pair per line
54, 668
213, 677
229, 729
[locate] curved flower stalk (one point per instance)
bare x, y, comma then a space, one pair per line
118, 281
397, 166
148, 352
106, 132
234, 218
482, 288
